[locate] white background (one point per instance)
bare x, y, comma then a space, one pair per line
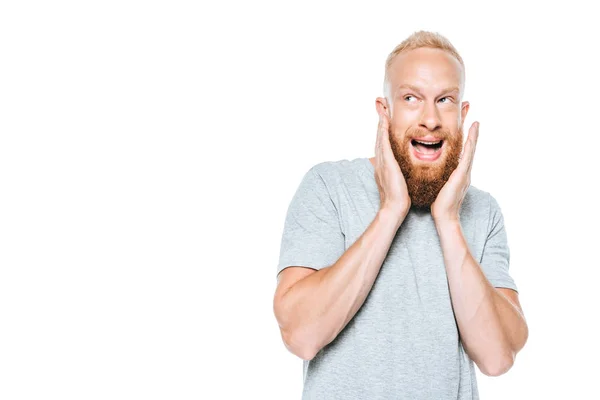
149, 151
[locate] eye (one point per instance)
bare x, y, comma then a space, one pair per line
406, 97
447, 98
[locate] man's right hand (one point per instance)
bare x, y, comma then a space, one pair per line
393, 193
308, 306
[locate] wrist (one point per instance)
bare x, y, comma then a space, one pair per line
392, 215
447, 223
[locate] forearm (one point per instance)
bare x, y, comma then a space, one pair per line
492, 329
320, 305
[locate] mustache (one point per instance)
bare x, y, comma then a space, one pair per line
412, 133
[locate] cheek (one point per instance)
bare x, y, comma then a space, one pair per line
451, 119
403, 120
406, 112
451, 123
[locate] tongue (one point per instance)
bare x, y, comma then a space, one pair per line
424, 149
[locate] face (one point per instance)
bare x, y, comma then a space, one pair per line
426, 119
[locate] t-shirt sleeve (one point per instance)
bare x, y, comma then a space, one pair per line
496, 253
312, 236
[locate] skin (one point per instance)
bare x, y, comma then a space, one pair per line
313, 306
490, 320
423, 99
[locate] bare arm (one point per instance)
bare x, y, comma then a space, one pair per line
492, 328
313, 311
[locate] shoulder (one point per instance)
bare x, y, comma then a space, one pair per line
338, 170
477, 196
325, 177
480, 203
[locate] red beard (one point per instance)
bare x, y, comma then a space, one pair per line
424, 181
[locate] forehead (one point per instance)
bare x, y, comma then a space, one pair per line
426, 68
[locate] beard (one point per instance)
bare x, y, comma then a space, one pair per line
425, 179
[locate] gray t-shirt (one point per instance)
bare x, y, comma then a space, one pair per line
403, 343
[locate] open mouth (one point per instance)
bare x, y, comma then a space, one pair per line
427, 150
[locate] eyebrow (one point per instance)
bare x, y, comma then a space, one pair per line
416, 89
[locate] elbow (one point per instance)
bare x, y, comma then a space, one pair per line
298, 346
499, 366
306, 354
294, 340
502, 363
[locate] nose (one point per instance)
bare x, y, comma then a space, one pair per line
430, 118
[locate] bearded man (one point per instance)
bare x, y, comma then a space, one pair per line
393, 273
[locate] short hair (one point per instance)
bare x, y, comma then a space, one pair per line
417, 40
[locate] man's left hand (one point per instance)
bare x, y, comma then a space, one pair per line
447, 203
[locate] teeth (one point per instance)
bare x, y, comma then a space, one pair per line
423, 142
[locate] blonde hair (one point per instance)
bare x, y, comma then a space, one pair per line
417, 40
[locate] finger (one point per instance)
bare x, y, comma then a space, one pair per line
466, 160
386, 148
473, 147
382, 131
378, 142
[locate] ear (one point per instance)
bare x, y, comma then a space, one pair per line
381, 105
464, 110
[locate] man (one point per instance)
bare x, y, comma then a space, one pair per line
393, 273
